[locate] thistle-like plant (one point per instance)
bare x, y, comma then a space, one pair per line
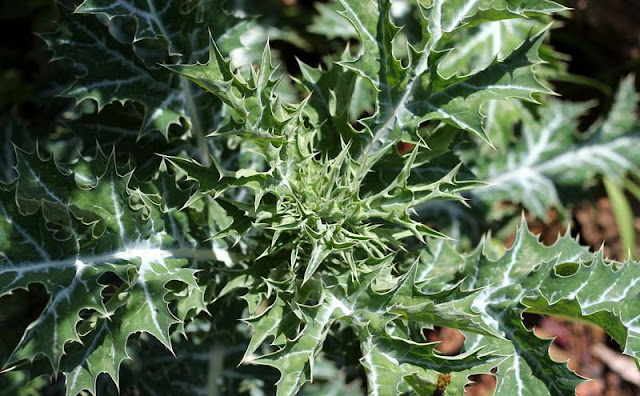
283, 228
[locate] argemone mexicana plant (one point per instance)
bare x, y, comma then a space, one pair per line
290, 226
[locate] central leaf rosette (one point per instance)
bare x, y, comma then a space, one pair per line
343, 205
313, 207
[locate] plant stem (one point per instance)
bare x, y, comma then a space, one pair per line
196, 125
192, 110
623, 215
216, 365
380, 132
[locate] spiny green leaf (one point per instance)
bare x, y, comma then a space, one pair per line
530, 270
330, 23
111, 72
395, 366
119, 67
551, 155
478, 47
409, 95
302, 328
101, 234
623, 115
